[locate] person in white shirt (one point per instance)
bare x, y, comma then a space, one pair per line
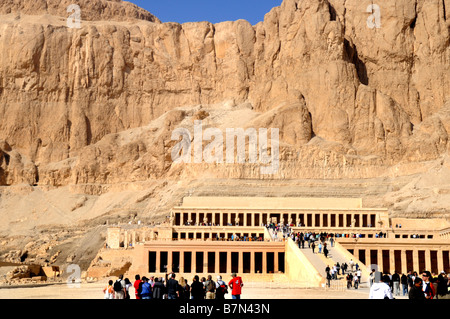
381, 290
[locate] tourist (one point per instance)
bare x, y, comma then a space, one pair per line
372, 278
327, 270
416, 291
344, 268
313, 246
236, 285
428, 287
109, 290
172, 287
349, 279
410, 279
183, 289
119, 288
404, 282
351, 264
136, 286
320, 247
442, 286
396, 283
221, 288
151, 281
128, 284
197, 289
325, 251
356, 280
338, 268
210, 286
359, 274
145, 289
158, 288
381, 290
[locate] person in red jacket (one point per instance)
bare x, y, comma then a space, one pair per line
236, 285
136, 286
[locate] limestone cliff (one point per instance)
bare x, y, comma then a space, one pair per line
358, 91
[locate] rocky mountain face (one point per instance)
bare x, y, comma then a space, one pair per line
357, 90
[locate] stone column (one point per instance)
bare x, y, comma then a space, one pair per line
252, 262
193, 262
241, 263
416, 261
253, 219
217, 259
169, 261
368, 262
380, 260
205, 262
228, 262
244, 222
275, 262
440, 260
392, 260
125, 239
428, 259
213, 221
182, 262
264, 265
404, 262
221, 219
133, 238
158, 261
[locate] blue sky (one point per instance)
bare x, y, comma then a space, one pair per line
213, 11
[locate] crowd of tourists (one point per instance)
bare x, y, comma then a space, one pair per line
350, 270
171, 288
427, 285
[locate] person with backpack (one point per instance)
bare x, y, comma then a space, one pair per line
221, 288
210, 288
236, 285
119, 288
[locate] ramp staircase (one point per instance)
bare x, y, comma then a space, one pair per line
336, 254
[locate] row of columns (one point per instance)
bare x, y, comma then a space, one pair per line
212, 235
404, 261
324, 219
240, 265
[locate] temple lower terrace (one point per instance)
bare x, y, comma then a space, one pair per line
221, 235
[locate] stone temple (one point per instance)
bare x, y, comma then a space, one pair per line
221, 235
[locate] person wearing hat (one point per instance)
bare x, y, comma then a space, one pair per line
381, 290
236, 285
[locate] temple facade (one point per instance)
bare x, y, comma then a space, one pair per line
221, 235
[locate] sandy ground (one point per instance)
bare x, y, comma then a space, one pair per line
250, 291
